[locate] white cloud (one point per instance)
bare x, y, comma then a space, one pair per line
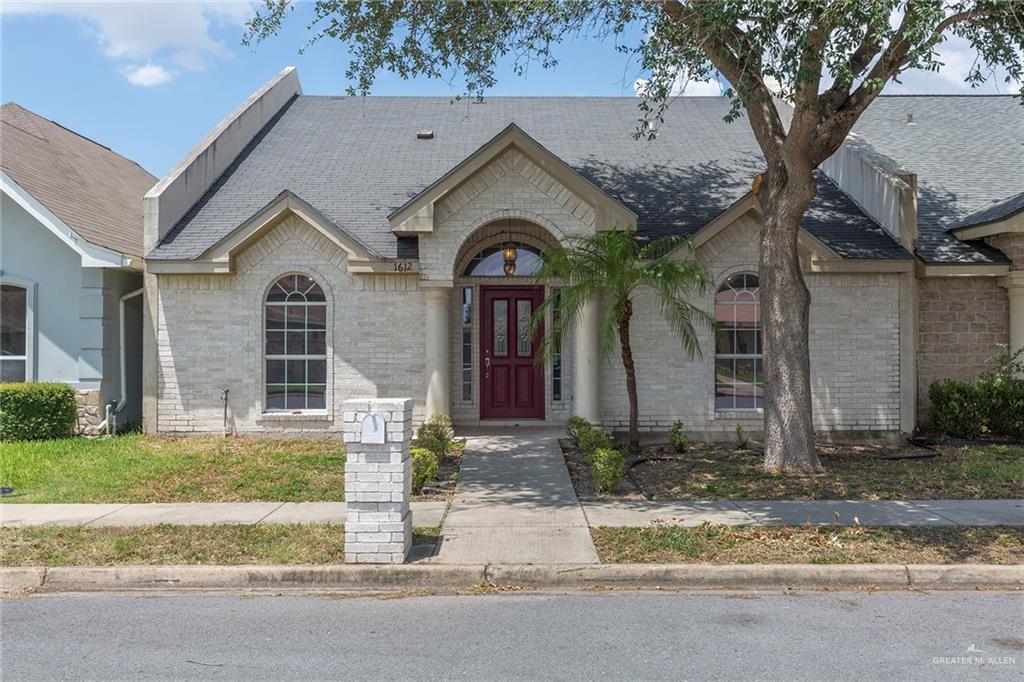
162, 34
683, 85
958, 56
148, 75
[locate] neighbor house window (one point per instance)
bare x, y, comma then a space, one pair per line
296, 345
14, 333
467, 344
739, 378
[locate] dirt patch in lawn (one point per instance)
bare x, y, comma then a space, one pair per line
855, 472
716, 544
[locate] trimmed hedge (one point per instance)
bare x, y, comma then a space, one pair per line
424, 467
994, 406
574, 427
607, 468
591, 440
36, 411
437, 435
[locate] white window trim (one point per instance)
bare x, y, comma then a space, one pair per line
757, 357
30, 321
277, 412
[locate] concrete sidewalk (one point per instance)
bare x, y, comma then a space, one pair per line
425, 514
482, 510
515, 503
815, 512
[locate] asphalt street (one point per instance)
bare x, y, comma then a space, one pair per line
854, 636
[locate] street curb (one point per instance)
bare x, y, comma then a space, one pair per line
455, 577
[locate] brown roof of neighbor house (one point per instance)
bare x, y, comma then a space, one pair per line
95, 191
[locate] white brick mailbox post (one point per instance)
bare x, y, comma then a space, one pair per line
378, 481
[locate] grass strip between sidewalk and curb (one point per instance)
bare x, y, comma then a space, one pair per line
285, 544
720, 544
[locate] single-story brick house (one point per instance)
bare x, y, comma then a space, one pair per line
71, 266
314, 249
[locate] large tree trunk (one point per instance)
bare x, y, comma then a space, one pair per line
627, 363
785, 305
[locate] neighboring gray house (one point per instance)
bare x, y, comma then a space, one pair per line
315, 249
71, 265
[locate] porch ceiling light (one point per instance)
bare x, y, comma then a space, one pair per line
509, 253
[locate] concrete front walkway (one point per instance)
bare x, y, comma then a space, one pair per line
514, 503
425, 514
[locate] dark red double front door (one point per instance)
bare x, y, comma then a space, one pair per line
511, 379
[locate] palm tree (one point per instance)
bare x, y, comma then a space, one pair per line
615, 267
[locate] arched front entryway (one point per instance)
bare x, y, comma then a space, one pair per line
499, 373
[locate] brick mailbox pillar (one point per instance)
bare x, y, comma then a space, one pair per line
378, 481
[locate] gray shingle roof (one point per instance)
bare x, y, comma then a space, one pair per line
357, 159
995, 212
92, 189
968, 153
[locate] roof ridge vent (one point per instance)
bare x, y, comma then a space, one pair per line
425, 134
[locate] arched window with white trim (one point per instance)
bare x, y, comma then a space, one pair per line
739, 375
295, 345
15, 333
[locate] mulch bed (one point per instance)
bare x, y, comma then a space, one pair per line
883, 471
443, 485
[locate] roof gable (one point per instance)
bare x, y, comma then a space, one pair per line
92, 190
416, 215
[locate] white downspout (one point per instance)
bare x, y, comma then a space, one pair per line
121, 355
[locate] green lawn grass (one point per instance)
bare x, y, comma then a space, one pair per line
717, 544
136, 468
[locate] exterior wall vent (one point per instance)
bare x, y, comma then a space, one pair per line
424, 134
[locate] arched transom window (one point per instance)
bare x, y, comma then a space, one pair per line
739, 378
296, 345
495, 261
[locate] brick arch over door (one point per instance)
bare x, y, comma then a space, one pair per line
498, 232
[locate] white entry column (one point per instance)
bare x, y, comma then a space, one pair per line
1014, 284
437, 341
587, 362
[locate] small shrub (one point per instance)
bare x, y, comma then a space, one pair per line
1002, 394
574, 427
34, 411
957, 410
437, 435
677, 437
741, 440
607, 467
1003, 402
424, 467
591, 440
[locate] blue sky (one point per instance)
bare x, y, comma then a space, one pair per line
151, 79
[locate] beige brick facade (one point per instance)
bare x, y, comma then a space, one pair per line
210, 335
962, 321
854, 344
1011, 244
